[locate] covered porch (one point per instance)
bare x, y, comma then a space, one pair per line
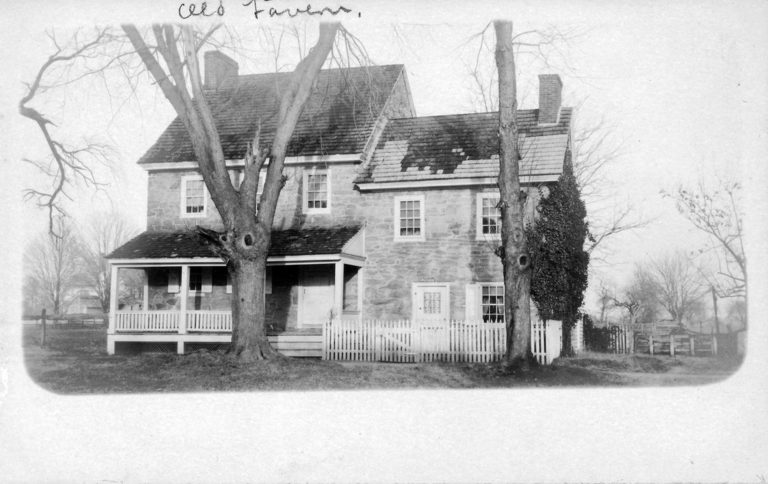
184, 298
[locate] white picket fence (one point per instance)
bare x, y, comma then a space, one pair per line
406, 341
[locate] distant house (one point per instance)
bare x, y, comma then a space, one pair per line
385, 214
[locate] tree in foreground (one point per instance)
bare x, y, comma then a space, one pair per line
559, 261
515, 259
244, 243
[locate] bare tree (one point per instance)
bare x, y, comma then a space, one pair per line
594, 149
67, 164
513, 251
717, 213
103, 234
245, 242
677, 284
639, 298
50, 266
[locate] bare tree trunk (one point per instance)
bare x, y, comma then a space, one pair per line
513, 252
249, 337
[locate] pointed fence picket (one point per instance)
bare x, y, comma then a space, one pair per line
407, 341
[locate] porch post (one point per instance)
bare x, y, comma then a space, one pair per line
145, 304
184, 291
360, 288
338, 290
111, 323
112, 300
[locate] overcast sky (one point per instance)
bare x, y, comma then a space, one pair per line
680, 88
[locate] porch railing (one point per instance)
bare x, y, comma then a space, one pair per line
150, 321
209, 321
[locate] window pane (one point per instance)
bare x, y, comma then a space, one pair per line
410, 217
492, 302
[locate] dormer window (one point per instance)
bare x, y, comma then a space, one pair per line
317, 191
194, 197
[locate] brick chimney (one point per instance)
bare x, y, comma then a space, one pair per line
550, 93
218, 68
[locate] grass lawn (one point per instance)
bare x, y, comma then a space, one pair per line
75, 362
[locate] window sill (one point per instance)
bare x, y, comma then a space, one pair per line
410, 239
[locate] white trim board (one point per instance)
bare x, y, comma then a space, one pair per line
289, 160
453, 182
214, 261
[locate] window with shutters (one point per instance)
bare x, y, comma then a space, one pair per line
409, 218
200, 279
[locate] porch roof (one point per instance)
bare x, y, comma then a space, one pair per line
188, 244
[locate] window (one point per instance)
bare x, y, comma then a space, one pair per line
194, 196
488, 216
317, 191
492, 303
409, 218
200, 279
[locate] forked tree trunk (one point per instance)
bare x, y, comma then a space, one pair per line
513, 252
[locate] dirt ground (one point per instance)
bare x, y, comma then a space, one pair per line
75, 362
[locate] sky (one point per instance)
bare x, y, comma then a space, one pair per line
676, 87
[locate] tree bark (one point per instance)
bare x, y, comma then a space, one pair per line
514, 254
249, 339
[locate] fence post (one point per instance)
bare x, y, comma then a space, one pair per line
714, 344
671, 345
650, 343
693, 349
42, 337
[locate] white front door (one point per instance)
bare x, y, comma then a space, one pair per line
316, 296
431, 302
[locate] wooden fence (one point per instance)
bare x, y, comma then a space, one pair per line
406, 341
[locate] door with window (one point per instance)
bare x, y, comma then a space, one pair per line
431, 302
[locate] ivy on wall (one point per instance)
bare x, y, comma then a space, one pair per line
556, 244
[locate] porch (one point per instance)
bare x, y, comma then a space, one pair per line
187, 300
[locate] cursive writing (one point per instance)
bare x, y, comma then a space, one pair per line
192, 11
273, 12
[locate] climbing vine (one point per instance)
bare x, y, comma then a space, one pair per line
556, 244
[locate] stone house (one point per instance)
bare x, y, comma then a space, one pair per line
385, 214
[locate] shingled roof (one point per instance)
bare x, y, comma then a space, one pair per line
464, 145
337, 119
188, 244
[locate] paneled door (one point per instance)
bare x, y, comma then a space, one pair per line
315, 296
431, 301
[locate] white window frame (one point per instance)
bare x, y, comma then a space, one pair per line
305, 188
183, 198
479, 217
480, 299
422, 218
206, 280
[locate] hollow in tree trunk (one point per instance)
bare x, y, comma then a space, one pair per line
513, 252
